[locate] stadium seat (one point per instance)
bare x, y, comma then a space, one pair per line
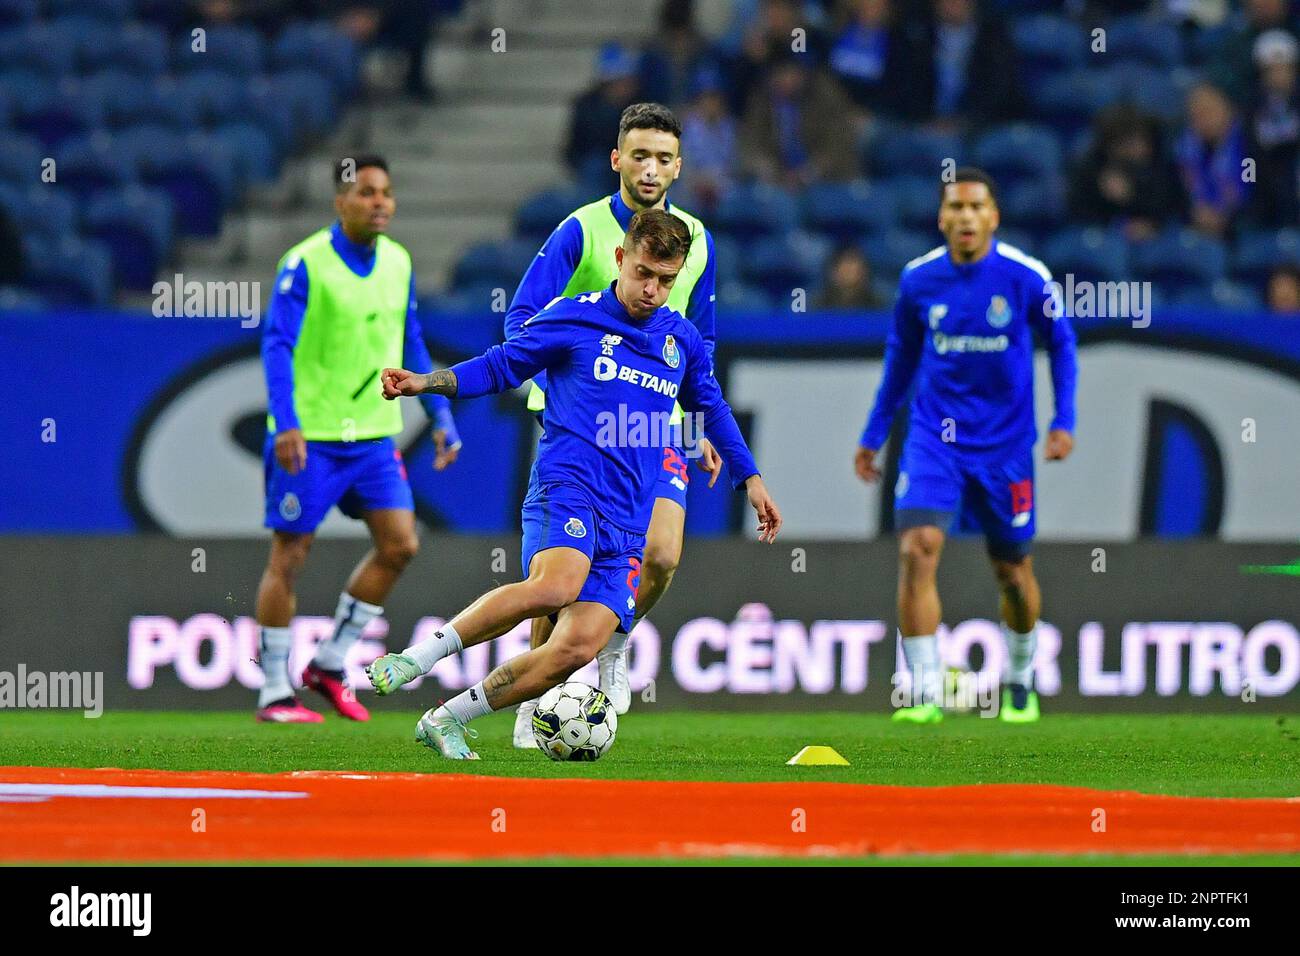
915, 198
1223, 294
20, 160
1048, 44
266, 108
1037, 205
845, 211
888, 253
233, 49
1022, 239
1144, 39
1069, 100
738, 296
475, 300
322, 47
111, 11
780, 264
727, 253
135, 226
1179, 257
1258, 253
59, 112
256, 158
92, 163
197, 174
753, 210
495, 264
905, 150
17, 12
69, 271
211, 97
40, 48
1160, 92
309, 97
1017, 152
542, 212
41, 211
140, 48
1090, 254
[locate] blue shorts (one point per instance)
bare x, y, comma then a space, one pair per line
993, 495
558, 516
357, 476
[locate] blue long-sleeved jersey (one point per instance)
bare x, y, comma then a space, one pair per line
284, 317
965, 334
549, 273
613, 382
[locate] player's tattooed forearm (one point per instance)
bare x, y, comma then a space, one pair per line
442, 382
498, 682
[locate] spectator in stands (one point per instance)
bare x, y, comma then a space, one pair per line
797, 128
864, 56
777, 32
1209, 154
1232, 69
847, 284
708, 141
1275, 130
958, 66
1284, 289
1125, 178
598, 110
675, 56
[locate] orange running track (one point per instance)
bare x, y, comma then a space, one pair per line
51, 814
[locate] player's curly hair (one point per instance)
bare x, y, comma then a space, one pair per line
648, 116
659, 233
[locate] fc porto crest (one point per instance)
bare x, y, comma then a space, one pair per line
671, 355
574, 528
290, 507
999, 313
937, 312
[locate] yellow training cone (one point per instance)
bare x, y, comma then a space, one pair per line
817, 757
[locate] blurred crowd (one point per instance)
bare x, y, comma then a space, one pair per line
1176, 114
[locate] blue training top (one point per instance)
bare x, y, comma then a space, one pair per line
964, 332
613, 382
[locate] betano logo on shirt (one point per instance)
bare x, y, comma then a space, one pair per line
606, 369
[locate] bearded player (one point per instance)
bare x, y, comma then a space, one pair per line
343, 309
963, 332
579, 257
619, 352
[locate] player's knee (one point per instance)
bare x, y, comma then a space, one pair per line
660, 559
398, 552
551, 592
289, 556
919, 551
1013, 576
575, 651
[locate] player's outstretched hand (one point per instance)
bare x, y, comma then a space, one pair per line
769, 518
291, 450
864, 463
1059, 444
443, 455
398, 382
710, 460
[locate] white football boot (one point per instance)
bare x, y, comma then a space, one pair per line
524, 739
614, 678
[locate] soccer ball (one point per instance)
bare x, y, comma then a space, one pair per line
574, 722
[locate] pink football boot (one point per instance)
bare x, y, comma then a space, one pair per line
339, 694
288, 711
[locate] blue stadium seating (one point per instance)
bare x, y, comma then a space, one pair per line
38, 47
321, 47
495, 264
58, 112
1017, 152
1048, 44
40, 210
20, 160
916, 198
17, 12
135, 226
755, 210
1069, 100
110, 11
1178, 258
140, 48
778, 264
253, 150
1145, 39
1091, 254
888, 253
845, 211
1258, 253
903, 150
230, 48
542, 212
736, 295
212, 96
68, 271
91, 164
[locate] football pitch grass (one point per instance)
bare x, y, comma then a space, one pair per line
1221, 756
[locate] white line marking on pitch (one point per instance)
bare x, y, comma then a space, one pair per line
157, 793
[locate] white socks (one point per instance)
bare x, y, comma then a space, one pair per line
350, 619
444, 643
466, 705
1020, 655
273, 655
922, 655
617, 644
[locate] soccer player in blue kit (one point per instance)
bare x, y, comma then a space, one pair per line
614, 356
963, 331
